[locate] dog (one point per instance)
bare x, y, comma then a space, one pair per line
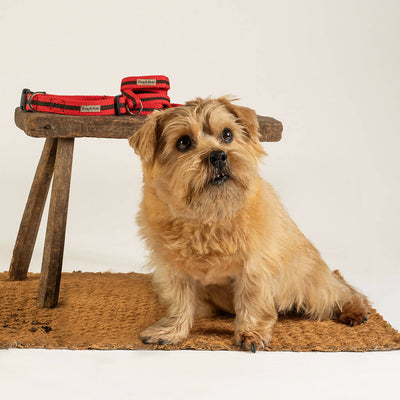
219, 237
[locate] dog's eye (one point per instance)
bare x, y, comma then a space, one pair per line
227, 135
184, 143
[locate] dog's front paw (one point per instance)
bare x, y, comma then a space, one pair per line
163, 334
251, 341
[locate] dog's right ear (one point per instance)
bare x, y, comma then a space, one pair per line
144, 141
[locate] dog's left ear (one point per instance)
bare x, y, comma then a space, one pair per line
144, 141
246, 117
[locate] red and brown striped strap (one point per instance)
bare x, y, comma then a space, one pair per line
139, 95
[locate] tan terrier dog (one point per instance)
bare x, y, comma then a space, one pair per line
219, 237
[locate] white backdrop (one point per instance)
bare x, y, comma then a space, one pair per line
328, 70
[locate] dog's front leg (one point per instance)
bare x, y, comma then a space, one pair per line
255, 311
178, 293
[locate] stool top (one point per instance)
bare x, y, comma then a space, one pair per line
48, 125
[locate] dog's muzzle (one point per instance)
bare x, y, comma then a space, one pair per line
218, 160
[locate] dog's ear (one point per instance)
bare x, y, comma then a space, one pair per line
144, 141
246, 117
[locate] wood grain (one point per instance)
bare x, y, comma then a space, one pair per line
55, 235
37, 124
32, 216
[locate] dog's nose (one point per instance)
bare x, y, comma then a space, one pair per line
218, 158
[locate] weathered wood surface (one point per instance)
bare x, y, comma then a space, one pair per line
50, 277
30, 222
37, 124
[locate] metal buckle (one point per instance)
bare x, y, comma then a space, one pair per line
134, 113
29, 101
134, 98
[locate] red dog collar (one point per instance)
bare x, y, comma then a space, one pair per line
139, 95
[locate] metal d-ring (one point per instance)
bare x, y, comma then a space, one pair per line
31, 98
132, 113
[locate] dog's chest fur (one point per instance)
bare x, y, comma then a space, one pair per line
212, 252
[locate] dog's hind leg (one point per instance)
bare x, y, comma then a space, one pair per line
329, 297
355, 310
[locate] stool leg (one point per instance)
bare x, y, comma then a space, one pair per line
30, 222
55, 235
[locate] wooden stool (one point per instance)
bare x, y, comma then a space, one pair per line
60, 132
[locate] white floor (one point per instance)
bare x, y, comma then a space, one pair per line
54, 374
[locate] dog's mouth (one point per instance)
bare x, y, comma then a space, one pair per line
219, 177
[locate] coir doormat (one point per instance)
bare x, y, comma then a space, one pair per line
108, 311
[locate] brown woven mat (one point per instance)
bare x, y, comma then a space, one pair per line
108, 311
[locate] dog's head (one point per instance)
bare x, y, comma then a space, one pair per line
201, 158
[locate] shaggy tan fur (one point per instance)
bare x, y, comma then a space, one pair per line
229, 246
